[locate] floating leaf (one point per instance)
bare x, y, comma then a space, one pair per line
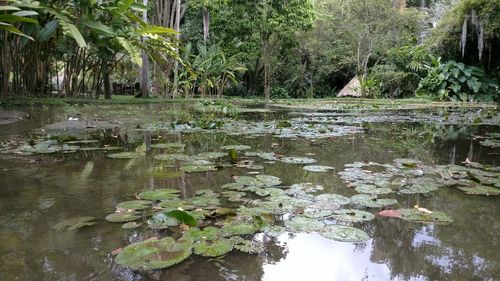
304, 224
134, 205
344, 233
318, 168
250, 247
126, 155
75, 223
178, 146
198, 168
123, 216
372, 189
236, 147
425, 217
297, 160
480, 190
333, 198
210, 155
273, 230
237, 228
215, 248
316, 213
171, 157
159, 194
131, 225
208, 233
183, 217
371, 201
155, 254
352, 215
162, 220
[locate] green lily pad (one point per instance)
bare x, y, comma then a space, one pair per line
236, 147
205, 200
126, 155
134, 205
238, 228
318, 168
372, 189
155, 254
131, 225
480, 190
173, 204
171, 157
269, 156
198, 168
75, 223
159, 194
344, 233
333, 198
352, 215
215, 248
250, 247
123, 216
210, 155
273, 230
316, 213
304, 224
425, 217
209, 233
161, 220
297, 160
372, 201
305, 187
178, 146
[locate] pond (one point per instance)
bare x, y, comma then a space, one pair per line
316, 195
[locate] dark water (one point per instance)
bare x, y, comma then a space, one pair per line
39, 191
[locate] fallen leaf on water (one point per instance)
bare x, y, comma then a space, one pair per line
390, 213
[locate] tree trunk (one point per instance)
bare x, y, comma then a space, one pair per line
145, 62
107, 84
177, 37
206, 24
5, 66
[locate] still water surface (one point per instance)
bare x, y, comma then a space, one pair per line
36, 192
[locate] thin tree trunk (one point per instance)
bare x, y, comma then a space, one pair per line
206, 24
145, 62
5, 67
107, 83
177, 37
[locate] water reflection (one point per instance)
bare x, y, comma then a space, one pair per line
36, 195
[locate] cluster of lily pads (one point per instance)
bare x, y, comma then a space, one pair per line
50, 146
410, 176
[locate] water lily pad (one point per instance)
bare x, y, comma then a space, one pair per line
250, 247
155, 254
205, 200
173, 204
304, 224
236, 147
316, 213
209, 233
372, 201
159, 194
297, 160
333, 198
134, 205
198, 168
480, 190
131, 225
215, 248
126, 155
238, 228
318, 168
305, 187
344, 233
273, 230
416, 215
123, 216
161, 220
269, 156
75, 223
210, 155
372, 189
178, 146
352, 215
171, 157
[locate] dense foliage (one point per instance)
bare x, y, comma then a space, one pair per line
267, 48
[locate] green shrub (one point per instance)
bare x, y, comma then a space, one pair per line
279, 93
458, 82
